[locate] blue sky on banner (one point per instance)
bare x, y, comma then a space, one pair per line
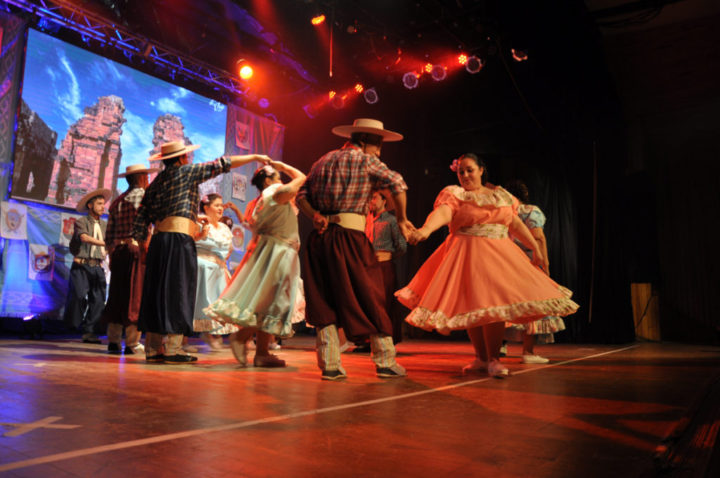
61, 80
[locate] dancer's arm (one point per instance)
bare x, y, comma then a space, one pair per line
439, 217
320, 222
521, 231
288, 191
539, 235
243, 159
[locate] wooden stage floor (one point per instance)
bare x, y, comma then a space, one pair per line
68, 409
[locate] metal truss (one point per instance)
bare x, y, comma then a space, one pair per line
93, 27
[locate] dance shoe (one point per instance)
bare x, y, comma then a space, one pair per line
345, 347
534, 359
157, 358
497, 370
239, 349
396, 371
134, 349
268, 361
114, 348
91, 339
476, 366
191, 349
215, 343
334, 374
274, 346
179, 359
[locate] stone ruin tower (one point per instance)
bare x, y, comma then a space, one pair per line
90, 153
167, 128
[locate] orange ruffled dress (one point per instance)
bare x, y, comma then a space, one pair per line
478, 275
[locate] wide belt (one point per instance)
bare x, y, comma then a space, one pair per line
492, 231
212, 257
383, 256
179, 224
348, 220
87, 261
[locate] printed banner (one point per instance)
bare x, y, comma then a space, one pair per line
67, 225
238, 240
243, 135
14, 221
41, 262
239, 186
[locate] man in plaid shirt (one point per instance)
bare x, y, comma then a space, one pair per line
126, 268
171, 203
343, 279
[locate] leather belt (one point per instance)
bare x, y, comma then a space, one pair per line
348, 220
87, 261
383, 256
183, 225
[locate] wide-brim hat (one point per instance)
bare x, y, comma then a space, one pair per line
82, 203
173, 149
367, 125
137, 169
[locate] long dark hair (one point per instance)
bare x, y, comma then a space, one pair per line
261, 173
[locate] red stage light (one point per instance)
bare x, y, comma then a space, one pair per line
317, 20
246, 72
359, 88
462, 59
428, 67
331, 94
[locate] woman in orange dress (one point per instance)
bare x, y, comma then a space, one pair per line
478, 279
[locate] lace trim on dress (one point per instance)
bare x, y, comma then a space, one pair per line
499, 198
436, 320
229, 312
493, 231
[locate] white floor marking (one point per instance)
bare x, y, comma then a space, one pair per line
235, 426
23, 428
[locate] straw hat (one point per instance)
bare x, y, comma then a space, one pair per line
82, 204
367, 125
173, 149
137, 169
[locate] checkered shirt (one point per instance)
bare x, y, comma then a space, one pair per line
174, 192
343, 179
122, 215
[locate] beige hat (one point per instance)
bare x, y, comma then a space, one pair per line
137, 169
82, 204
172, 150
367, 125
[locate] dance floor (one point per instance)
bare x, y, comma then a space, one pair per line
68, 409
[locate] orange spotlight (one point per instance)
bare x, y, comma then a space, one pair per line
317, 20
244, 69
331, 94
359, 88
428, 67
462, 59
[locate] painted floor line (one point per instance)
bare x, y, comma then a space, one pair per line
235, 426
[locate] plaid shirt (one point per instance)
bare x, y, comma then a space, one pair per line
122, 215
343, 179
174, 192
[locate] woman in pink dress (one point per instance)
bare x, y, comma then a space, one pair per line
478, 279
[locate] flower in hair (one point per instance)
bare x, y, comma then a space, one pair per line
204, 199
455, 165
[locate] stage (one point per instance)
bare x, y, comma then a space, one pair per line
69, 409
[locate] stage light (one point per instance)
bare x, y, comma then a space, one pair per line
245, 70
318, 19
359, 88
519, 55
310, 111
338, 102
263, 103
438, 73
371, 96
331, 94
473, 65
428, 67
410, 80
462, 59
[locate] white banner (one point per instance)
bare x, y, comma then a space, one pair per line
41, 262
67, 225
14, 220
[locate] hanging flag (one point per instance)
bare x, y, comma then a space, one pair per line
243, 135
41, 262
67, 226
14, 220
